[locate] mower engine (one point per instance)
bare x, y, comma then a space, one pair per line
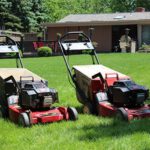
36, 95
128, 93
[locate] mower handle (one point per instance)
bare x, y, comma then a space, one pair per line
79, 45
74, 32
76, 47
10, 46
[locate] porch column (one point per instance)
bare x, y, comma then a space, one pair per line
139, 33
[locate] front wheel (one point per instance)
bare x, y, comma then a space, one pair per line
73, 114
121, 114
24, 120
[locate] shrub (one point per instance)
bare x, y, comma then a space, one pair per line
145, 47
44, 51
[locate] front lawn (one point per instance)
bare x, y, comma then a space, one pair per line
89, 132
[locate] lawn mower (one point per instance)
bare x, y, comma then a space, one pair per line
24, 96
101, 90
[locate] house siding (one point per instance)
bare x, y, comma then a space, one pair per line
102, 35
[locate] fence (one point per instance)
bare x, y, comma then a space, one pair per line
32, 46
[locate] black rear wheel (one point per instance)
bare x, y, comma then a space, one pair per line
88, 108
3, 112
73, 114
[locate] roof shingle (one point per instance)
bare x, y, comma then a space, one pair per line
113, 17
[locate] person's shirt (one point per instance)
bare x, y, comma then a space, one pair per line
125, 40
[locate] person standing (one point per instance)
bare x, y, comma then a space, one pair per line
125, 41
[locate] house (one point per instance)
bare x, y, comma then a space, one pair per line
16, 36
108, 28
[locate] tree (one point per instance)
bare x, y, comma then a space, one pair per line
39, 13
58, 9
31, 13
7, 20
143, 3
123, 5
101, 6
22, 9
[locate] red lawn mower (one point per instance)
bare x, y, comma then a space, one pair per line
101, 90
24, 96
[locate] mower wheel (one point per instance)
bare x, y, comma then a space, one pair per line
24, 120
73, 114
121, 114
88, 108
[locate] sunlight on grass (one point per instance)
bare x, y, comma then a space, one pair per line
89, 132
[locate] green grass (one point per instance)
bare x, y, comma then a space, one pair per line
89, 132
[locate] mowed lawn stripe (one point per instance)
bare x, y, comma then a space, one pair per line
89, 132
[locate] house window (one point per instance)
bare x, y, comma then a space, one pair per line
146, 34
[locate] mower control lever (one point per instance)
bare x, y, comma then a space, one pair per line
112, 75
26, 77
13, 80
100, 76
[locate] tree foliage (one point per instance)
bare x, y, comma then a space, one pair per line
123, 5
27, 15
8, 20
31, 13
23, 15
143, 3
58, 9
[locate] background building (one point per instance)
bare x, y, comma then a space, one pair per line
108, 28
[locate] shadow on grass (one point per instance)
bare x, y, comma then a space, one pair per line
114, 129
79, 109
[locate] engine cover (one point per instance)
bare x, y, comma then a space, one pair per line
36, 95
128, 93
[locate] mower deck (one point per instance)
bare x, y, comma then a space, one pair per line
140, 112
45, 116
107, 109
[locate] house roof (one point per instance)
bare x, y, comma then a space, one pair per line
106, 17
103, 19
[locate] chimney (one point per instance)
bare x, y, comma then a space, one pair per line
140, 9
